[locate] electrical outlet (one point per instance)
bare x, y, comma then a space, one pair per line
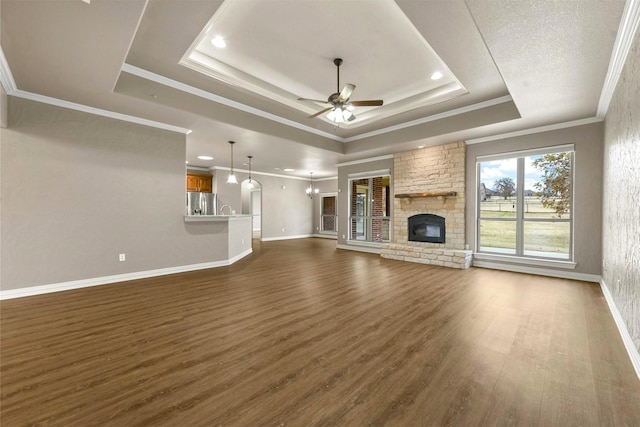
283, 229
122, 257
243, 241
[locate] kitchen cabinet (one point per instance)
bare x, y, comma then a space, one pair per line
199, 182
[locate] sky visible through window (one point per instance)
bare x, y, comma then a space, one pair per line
507, 168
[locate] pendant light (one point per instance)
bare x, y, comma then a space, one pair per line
231, 179
310, 190
250, 183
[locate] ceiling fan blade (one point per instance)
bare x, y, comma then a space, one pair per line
368, 103
346, 92
320, 112
313, 100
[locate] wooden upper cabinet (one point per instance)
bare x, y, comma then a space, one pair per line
206, 185
192, 182
198, 182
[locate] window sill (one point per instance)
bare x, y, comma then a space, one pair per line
511, 259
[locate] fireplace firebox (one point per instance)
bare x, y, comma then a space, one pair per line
426, 228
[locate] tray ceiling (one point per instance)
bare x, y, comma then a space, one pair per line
508, 66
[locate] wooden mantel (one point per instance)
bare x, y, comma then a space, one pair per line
427, 194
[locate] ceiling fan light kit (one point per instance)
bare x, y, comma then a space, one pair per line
340, 115
340, 109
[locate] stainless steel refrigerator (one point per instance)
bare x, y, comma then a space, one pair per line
201, 203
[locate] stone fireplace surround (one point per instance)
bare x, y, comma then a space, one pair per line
419, 174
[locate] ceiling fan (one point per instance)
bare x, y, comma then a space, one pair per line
340, 108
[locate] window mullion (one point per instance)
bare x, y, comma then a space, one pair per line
520, 207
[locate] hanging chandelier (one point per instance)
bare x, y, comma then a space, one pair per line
310, 189
231, 179
250, 183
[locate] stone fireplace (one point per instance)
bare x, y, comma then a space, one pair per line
430, 183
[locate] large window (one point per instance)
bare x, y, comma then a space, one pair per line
525, 203
369, 213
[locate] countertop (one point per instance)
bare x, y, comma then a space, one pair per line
218, 218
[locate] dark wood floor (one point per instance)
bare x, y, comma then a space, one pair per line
301, 334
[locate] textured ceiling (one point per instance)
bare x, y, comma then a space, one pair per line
523, 64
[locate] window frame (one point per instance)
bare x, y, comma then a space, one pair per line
520, 218
368, 219
321, 215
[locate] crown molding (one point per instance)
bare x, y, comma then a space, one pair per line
165, 81
434, 117
9, 85
277, 175
97, 111
626, 32
369, 160
6, 78
555, 126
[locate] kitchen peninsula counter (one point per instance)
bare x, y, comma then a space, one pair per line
224, 239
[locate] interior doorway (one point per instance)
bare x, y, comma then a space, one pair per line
252, 205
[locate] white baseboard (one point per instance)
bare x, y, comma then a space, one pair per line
633, 352
300, 236
563, 274
105, 280
369, 249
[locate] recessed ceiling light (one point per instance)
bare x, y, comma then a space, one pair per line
289, 170
187, 161
218, 41
420, 146
436, 76
205, 157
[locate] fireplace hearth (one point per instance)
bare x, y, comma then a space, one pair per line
426, 228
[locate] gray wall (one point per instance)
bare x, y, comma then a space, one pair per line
285, 204
621, 204
587, 213
78, 189
343, 191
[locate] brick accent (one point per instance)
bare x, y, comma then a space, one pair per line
439, 168
329, 209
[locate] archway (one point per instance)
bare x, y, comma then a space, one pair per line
252, 204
